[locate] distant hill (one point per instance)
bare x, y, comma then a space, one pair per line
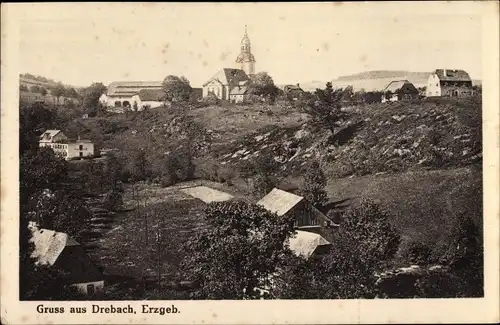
374, 80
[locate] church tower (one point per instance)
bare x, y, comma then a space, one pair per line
246, 59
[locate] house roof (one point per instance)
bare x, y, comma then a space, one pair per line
304, 243
50, 133
57, 248
238, 90
452, 75
292, 87
130, 88
279, 201
228, 76
151, 95
396, 85
49, 244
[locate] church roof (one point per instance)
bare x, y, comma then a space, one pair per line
228, 76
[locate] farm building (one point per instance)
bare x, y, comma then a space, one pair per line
399, 90
148, 98
58, 250
65, 147
449, 83
120, 93
306, 216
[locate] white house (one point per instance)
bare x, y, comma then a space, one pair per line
58, 250
148, 98
65, 147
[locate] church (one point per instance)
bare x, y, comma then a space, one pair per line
232, 84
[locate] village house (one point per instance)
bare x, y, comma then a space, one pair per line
449, 83
60, 251
147, 98
310, 224
65, 147
121, 93
230, 83
399, 90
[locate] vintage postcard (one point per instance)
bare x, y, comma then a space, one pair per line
250, 163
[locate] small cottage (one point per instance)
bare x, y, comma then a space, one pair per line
399, 90
306, 244
293, 92
306, 216
58, 250
148, 98
237, 94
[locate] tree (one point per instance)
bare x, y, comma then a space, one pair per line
361, 247
91, 96
374, 237
71, 93
35, 89
40, 170
138, 166
264, 170
263, 85
325, 108
33, 120
235, 256
348, 94
58, 91
176, 89
314, 185
59, 211
23, 87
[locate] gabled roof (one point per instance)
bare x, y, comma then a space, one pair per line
228, 76
151, 95
452, 75
238, 90
50, 133
396, 85
130, 88
49, 244
57, 249
279, 201
304, 243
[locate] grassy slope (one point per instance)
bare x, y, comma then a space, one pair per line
418, 199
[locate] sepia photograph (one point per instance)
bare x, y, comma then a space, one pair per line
260, 151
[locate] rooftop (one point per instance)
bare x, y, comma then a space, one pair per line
279, 201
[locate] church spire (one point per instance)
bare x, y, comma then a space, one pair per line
245, 58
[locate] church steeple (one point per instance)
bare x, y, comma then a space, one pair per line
246, 58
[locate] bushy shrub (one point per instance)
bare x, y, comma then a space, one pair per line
417, 253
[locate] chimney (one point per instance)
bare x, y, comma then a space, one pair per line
298, 85
445, 73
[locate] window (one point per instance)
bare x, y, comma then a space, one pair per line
81, 147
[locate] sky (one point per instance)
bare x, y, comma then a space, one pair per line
82, 43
